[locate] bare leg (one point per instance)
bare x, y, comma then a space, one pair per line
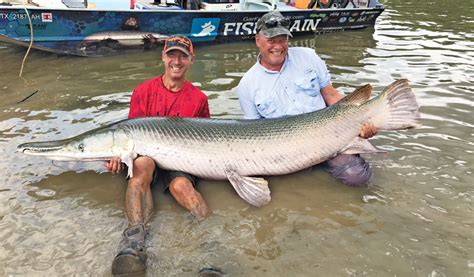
188, 197
148, 209
132, 255
138, 199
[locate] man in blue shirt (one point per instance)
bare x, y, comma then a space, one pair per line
289, 81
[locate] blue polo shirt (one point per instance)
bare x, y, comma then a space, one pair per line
295, 89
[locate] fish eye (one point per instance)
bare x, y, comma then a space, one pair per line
81, 147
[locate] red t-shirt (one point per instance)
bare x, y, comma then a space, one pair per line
152, 98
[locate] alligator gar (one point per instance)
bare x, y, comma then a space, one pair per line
237, 149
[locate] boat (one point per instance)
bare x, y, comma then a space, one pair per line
104, 27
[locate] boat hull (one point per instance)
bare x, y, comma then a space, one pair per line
86, 32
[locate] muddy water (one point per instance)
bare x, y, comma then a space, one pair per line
414, 219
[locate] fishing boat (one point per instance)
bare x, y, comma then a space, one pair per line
103, 27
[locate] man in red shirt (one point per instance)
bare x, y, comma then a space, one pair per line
169, 94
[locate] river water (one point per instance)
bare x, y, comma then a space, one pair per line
414, 219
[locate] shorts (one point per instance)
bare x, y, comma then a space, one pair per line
352, 170
166, 176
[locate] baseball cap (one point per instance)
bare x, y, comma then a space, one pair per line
181, 43
273, 24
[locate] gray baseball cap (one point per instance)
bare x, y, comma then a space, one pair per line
273, 24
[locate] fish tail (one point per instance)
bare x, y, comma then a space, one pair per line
398, 108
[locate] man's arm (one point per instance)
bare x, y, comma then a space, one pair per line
247, 105
204, 108
332, 96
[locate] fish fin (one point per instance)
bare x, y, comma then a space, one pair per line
128, 160
361, 146
398, 110
253, 190
359, 96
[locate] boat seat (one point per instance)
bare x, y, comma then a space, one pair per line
257, 5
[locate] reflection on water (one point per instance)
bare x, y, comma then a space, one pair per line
414, 219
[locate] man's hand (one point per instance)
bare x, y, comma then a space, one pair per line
367, 130
115, 165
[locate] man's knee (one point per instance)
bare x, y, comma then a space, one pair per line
181, 186
352, 170
356, 175
143, 169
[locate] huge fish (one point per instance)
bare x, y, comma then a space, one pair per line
239, 149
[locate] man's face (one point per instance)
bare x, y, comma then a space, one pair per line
176, 63
272, 50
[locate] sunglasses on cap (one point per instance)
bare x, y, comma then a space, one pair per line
273, 22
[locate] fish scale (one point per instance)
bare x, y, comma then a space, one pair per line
203, 147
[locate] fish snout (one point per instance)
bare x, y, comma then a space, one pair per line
21, 148
37, 148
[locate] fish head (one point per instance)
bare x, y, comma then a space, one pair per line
96, 145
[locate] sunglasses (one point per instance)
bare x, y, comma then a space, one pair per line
273, 22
